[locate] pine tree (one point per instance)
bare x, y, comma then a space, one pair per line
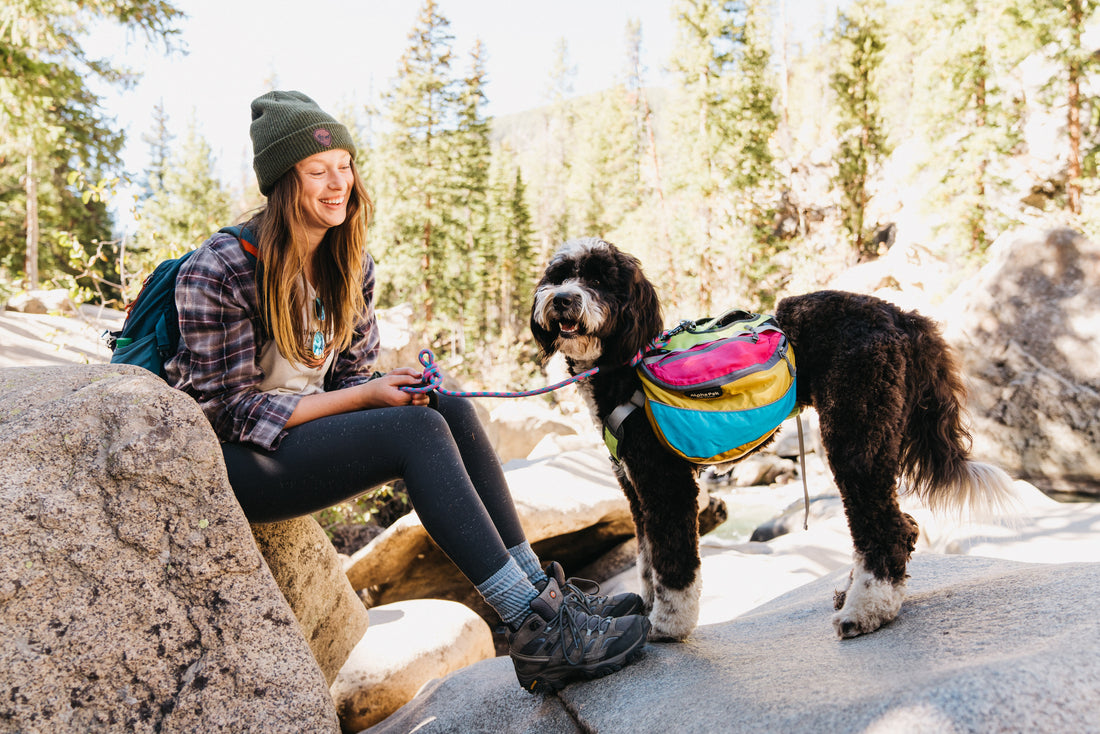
555, 164
703, 59
415, 215
518, 271
472, 157
862, 137
53, 124
1059, 25
190, 205
971, 119
723, 128
752, 125
159, 141
604, 182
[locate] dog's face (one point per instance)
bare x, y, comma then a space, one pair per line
594, 304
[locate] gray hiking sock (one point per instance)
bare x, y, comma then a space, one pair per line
529, 562
509, 592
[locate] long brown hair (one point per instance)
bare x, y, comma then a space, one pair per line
337, 268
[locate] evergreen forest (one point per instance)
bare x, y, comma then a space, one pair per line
764, 168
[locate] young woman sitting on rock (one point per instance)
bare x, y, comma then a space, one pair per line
279, 355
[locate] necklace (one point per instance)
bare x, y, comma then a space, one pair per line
318, 334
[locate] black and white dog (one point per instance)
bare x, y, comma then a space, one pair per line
889, 401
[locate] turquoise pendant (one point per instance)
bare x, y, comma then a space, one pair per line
318, 338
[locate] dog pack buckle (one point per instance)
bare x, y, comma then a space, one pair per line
613, 424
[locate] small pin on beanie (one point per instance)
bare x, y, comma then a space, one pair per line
288, 127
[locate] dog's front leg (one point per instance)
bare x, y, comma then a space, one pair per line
645, 567
668, 546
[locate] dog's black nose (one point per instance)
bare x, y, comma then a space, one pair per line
563, 300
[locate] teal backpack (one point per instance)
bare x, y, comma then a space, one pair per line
150, 335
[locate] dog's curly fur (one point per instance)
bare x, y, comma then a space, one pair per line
888, 396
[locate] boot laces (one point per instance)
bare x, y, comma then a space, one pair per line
584, 599
580, 626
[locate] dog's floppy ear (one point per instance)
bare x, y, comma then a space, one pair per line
543, 338
641, 319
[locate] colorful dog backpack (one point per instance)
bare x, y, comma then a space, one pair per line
714, 389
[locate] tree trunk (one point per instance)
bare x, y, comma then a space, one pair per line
30, 265
1073, 122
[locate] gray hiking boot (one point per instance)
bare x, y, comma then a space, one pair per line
559, 642
584, 592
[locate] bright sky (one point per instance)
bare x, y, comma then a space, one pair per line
344, 53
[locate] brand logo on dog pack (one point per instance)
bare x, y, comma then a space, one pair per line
705, 394
322, 136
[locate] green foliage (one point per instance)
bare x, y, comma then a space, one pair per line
51, 125
723, 177
187, 205
1059, 26
861, 133
382, 505
416, 221
694, 179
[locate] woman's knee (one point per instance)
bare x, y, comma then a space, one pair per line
458, 411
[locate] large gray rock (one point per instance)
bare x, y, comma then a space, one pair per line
311, 576
981, 645
1027, 332
132, 595
517, 426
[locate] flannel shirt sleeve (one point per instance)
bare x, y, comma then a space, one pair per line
355, 364
220, 335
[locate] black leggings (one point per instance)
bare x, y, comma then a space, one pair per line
452, 475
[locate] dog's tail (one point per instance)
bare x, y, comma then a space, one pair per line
935, 457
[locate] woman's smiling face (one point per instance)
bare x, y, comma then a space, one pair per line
326, 181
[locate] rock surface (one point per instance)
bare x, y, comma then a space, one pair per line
132, 595
1027, 330
967, 653
408, 644
311, 576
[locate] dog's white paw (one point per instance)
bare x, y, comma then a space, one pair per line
675, 611
869, 603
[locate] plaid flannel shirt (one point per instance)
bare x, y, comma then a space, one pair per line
222, 336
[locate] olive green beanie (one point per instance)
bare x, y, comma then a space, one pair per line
288, 127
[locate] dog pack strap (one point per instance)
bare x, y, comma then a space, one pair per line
805, 485
613, 424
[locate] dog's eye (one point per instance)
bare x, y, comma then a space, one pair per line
594, 281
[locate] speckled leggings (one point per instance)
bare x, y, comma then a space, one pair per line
452, 475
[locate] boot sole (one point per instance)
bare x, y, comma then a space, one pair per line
541, 679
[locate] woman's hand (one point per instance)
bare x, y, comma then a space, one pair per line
384, 390
381, 392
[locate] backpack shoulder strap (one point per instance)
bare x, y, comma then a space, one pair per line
245, 237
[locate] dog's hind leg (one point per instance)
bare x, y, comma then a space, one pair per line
861, 439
